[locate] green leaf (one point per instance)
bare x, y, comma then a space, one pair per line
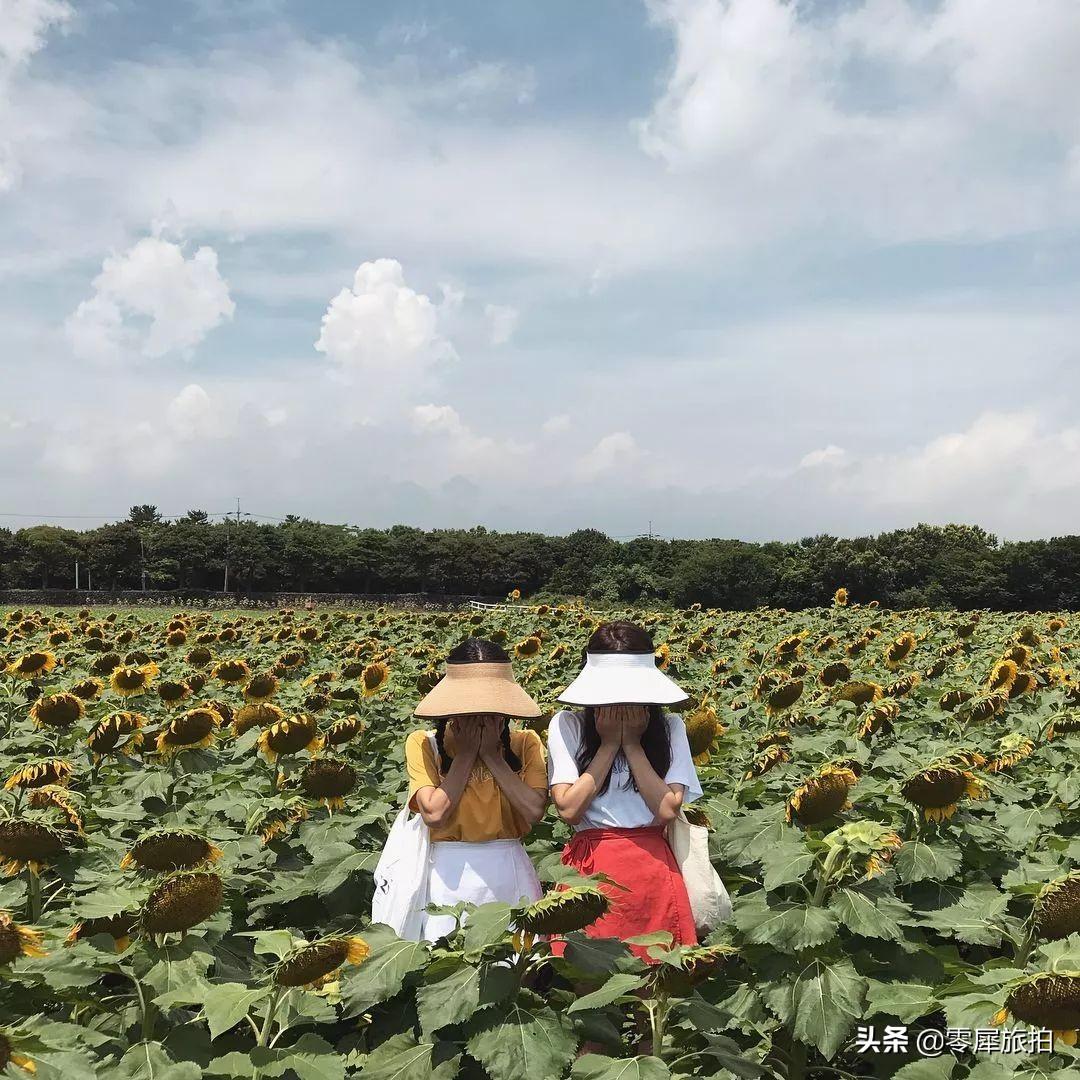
939, 1068
916, 861
149, 1061
487, 925
382, 975
103, 903
598, 956
524, 1041
868, 913
970, 919
784, 863
905, 1001
611, 991
820, 1003
447, 996
310, 1058
599, 1067
785, 926
750, 837
401, 1057
1025, 824
277, 943
227, 1004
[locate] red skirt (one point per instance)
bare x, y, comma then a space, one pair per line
654, 894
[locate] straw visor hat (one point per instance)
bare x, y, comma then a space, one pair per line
471, 688
622, 679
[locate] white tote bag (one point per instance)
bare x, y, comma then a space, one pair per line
403, 873
709, 900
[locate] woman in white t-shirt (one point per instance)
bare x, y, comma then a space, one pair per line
619, 770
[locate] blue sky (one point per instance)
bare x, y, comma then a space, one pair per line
739, 267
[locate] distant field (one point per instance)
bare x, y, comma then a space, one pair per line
193, 799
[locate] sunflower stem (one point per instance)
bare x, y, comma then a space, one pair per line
33, 896
1027, 943
825, 876
268, 1023
146, 1017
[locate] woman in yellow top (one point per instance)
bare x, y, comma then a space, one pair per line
479, 786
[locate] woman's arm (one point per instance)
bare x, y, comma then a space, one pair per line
573, 800
528, 802
437, 804
662, 798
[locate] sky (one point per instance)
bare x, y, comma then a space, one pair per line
742, 268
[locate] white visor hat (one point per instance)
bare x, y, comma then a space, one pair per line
622, 679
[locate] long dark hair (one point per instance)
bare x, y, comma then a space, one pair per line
475, 650
625, 637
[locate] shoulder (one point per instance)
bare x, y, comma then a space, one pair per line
524, 739
565, 723
416, 741
675, 722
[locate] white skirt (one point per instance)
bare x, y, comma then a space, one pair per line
495, 870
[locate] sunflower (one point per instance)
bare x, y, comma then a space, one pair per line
953, 699
783, 696
344, 730
773, 756
87, 689
564, 910
32, 665
231, 672
271, 823
172, 692
106, 664
1002, 675
175, 638
182, 900
16, 940
820, 796
897, 651
702, 728
859, 693
261, 687
29, 842
936, 669
938, 789
119, 927
310, 964
1056, 913
1021, 655
1012, 749
122, 731
1048, 1000
127, 681
985, 707
766, 682
877, 721
903, 686
840, 597
316, 703
258, 714
191, 730
1055, 624
328, 780
1025, 683
163, 850
58, 798
199, 657
527, 647
375, 677
9, 1055
833, 673
44, 773
290, 736
867, 846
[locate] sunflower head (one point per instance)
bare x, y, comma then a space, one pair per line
274, 821
938, 789
231, 672
261, 687
290, 736
898, 650
57, 711
328, 780
199, 657
87, 689
564, 910
878, 720
120, 928
859, 693
257, 714
953, 699
836, 672
1013, 748
344, 730
527, 647
820, 796
375, 676
122, 731
194, 729
1002, 675
9, 1055
129, 680
48, 772
172, 692
783, 696
16, 940
774, 755
310, 964
903, 686
30, 842
840, 597
702, 728
1049, 1000
163, 850
32, 665
182, 900
866, 846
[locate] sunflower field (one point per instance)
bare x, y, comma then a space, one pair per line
193, 804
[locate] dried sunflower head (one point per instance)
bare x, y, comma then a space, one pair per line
820, 796
290, 736
194, 729
938, 789
163, 850
57, 711
182, 900
564, 910
121, 731
328, 780
1049, 1000
45, 773
16, 940
309, 964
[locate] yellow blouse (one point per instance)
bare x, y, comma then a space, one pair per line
484, 813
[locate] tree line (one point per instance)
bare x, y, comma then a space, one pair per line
961, 566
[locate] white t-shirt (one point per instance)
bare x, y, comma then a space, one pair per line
620, 807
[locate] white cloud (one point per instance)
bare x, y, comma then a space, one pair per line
150, 301
899, 118
441, 419
383, 329
24, 25
828, 455
616, 453
192, 414
502, 322
556, 425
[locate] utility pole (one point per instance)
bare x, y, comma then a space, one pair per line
76, 575
228, 546
142, 559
